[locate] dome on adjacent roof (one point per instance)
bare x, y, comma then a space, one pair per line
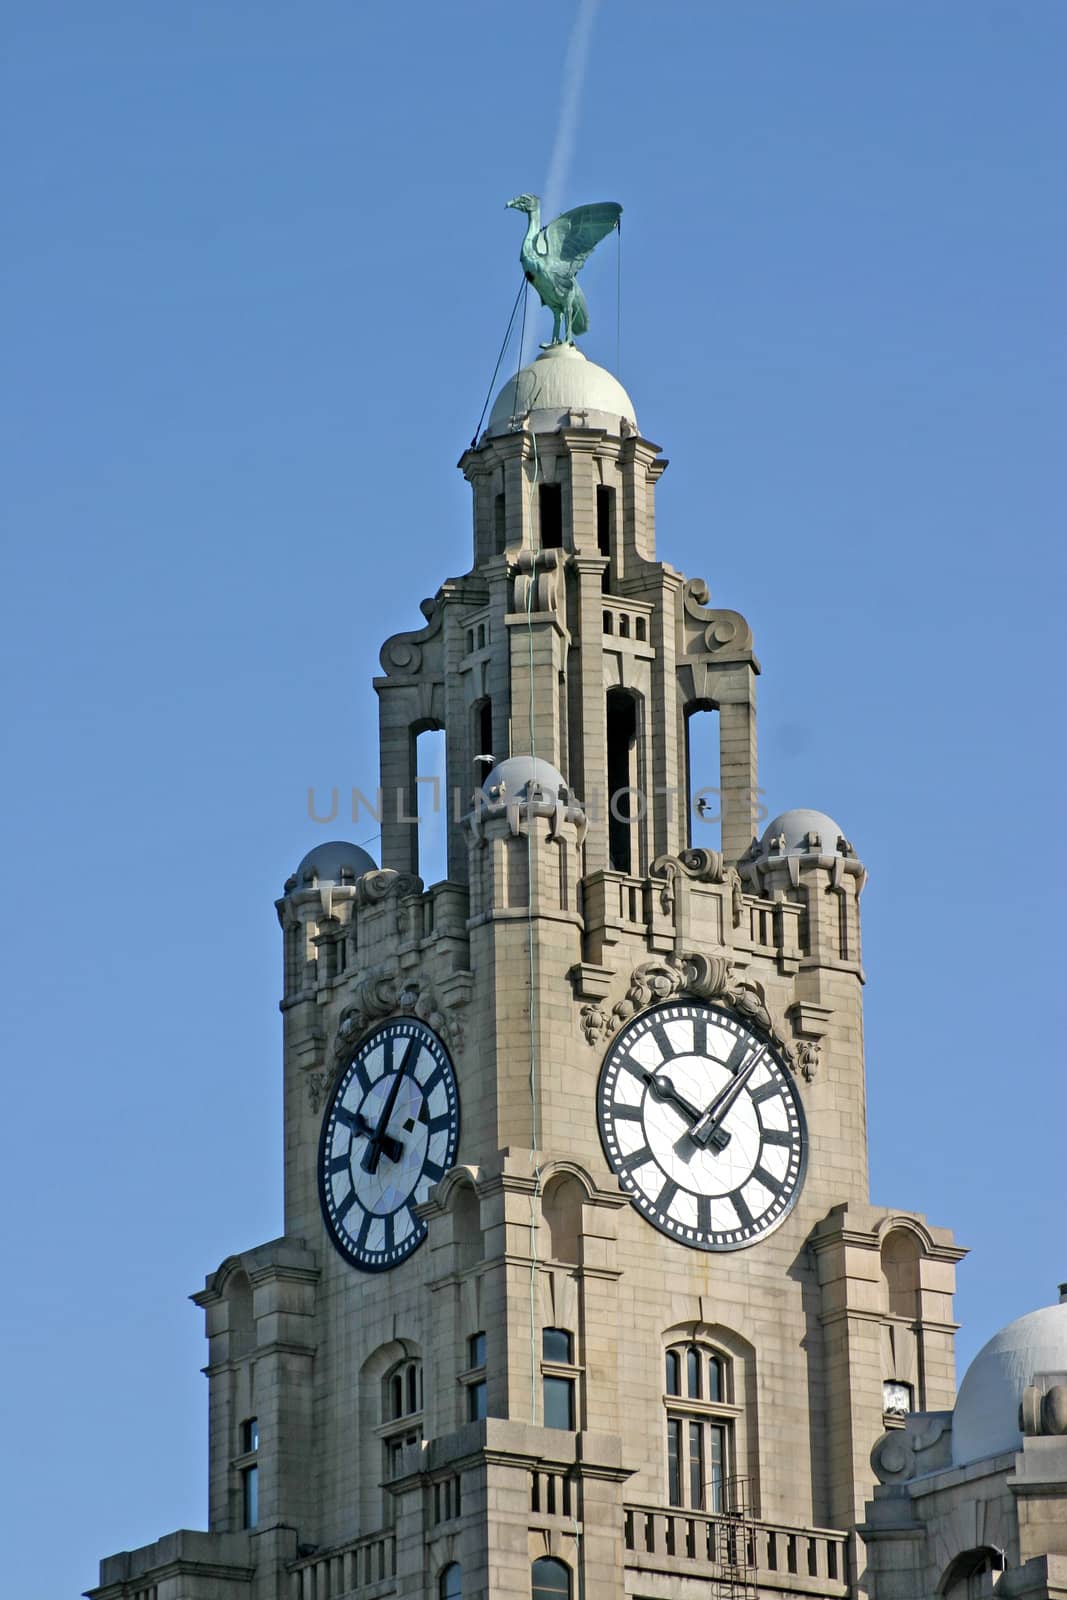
560, 381
513, 775
795, 833
986, 1419
336, 861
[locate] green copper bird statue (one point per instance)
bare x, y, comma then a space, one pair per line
552, 258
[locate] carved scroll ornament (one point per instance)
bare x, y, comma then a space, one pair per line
708, 978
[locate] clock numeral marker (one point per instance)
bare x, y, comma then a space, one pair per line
637, 1159
777, 1136
432, 1081
704, 1213
338, 1164
666, 1195
438, 1124
700, 1036
736, 1058
624, 1113
740, 1206
346, 1205
364, 1229
431, 1170
388, 1225
768, 1180
765, 1092
361, 1076
659, 1033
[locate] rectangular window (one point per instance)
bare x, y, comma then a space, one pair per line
249, 1497
559, 1402
249, 1435
557, 1345
476, 1401
550, 502
717, 1480
500, 524
696, 1466
674, 1461
476, 1350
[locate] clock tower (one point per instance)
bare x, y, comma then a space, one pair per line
580, 1291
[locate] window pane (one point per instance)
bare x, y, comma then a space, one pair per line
396, 1397
556, 1345
715, 1383
674, 1377
550, 1580
692, 1373
674, 1462
476, 1352
450, 1583
718, 1466
696, 1465
250, 1497
476, 1401
559, 1402
413, 1389
250, 1435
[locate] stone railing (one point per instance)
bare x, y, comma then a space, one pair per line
798, 1560
346, 1569
627, 619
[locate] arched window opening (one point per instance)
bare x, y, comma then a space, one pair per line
241, 1320
500, 524
550, 1580
900, 1273
428, 805
700, 1423
401, 1412
483, 734
624, 791
450, 1583
703, 776
550, 504
970, 1575
605, 530
561, 1208
467, 1228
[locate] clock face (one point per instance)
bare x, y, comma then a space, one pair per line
391, 1131
702, 1124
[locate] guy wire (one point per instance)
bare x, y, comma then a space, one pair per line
500, 357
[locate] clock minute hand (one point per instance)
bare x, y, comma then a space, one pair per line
708, 1128
372, 1155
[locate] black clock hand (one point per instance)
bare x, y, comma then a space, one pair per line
663, 1089
372, 1155
359, 1124
708, 1128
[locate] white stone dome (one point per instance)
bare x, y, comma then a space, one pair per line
510, 778
799, 829
560, 381
986, 1419
336, 861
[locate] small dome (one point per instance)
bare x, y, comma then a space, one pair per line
804, 833
337, 861
560, 381
986, 1419
510, 778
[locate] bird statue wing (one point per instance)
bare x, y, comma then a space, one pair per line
573, 237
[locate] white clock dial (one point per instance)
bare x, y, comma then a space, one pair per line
702, 1124
390, 1132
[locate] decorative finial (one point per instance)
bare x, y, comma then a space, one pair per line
552, 258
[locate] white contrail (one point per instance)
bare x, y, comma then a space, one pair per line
574, 68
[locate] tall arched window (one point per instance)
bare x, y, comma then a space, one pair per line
450, 1583
401, 1412
700, 1443
550, 1580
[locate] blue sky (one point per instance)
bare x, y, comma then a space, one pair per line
258, 271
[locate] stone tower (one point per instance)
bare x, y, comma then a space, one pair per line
580, 1292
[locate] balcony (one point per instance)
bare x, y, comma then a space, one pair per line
736, 1550
365, 1566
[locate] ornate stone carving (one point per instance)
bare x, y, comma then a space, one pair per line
1044, 1411
708, 978
402, 654
704, 866
381, 994
723, 633
922, 1445
536, 579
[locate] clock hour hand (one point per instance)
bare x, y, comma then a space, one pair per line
359, 1124
663, 1089
372, 1155
708, 1128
